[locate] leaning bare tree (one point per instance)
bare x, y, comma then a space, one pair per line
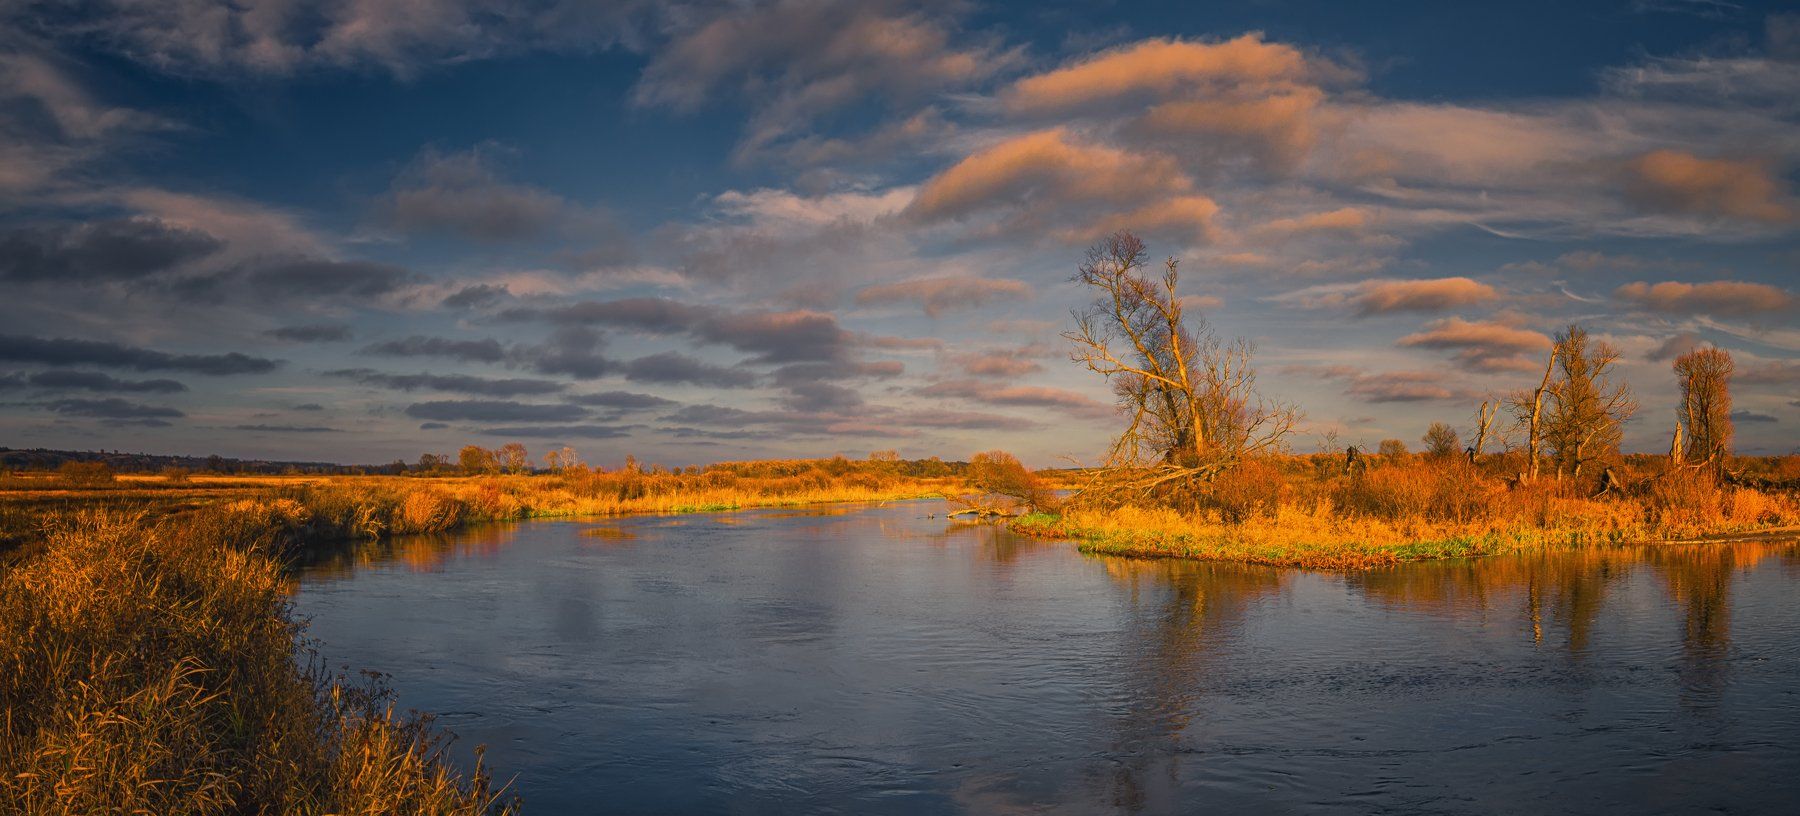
1190, 399
1705, 376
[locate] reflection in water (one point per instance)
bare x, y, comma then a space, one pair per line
879, 660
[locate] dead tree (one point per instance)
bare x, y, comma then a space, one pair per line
1190, 399
1484, 422
1528, 410
1705, 378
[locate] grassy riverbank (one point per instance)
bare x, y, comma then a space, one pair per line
1299, 513
149, 662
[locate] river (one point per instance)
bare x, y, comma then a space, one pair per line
883, 660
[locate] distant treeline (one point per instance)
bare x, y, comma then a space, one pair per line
122, 462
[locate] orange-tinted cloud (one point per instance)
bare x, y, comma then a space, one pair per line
939, 295
1279, 128
1484, 345
1674, 181
1191, 215
1713, 297
1158, 66
1033, 396
1422, 295
1343, 219
1045, 164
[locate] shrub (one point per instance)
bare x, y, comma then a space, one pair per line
85, 474
1253, 488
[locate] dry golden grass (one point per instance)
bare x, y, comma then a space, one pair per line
1300, 512
152, 667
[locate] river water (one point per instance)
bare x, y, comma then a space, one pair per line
882, 660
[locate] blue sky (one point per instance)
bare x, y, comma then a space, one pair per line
359, 231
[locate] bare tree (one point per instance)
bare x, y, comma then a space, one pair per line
1484, 424
1588, 409
1441, 441
1528, 411
1705, 377
513, 458
1190, 399
563, 460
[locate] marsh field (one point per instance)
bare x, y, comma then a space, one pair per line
897, 636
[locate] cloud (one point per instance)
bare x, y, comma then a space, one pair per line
1020, 396
475, 296
675, 367
112, 408
460, 383
1747, 415
621, 400
1048, 168
473, 351
1160, 67
1769, 372
571, 350
460, 194
301, 276
1186, 215
1343, 219
300, 429
561, 431
796, 59
494, 411
1403, 386
65, 351
1676, 345
1674, 181
1006, 363
1378, 297
117, 250
1387, 386
96, 381
773, 337
1383, 297
947, 293
1484, 346
311, 333
235, 42
1713, 297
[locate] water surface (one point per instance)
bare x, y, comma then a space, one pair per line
881, 660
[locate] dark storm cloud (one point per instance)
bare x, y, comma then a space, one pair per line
622, 400
11, 381
285, 429
96, 381
494, 411
656, 315
561, 431
472, 351
311, 333
112, 408
125, 249
459, 383
433, 426
821, 396
1746, 415
475, 296
572, 350
675, 367
309, 406
67, 351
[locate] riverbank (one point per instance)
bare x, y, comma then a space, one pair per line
1414, 513
149, 660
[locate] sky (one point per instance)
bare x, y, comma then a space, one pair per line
358, 230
